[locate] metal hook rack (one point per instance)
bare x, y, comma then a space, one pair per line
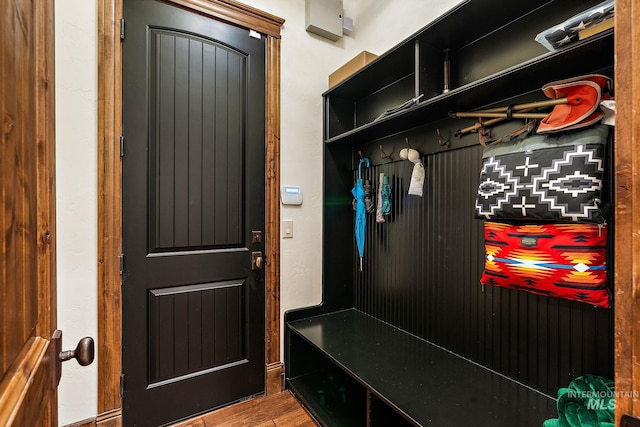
384, 155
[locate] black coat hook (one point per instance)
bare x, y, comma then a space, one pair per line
383, 154
443, 142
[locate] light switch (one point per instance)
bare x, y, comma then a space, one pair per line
287, 228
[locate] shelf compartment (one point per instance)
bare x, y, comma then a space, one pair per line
485, 40
465, 24
346, 115
500, 39
591, 55
333, 397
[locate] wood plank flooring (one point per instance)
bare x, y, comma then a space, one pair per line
277, 410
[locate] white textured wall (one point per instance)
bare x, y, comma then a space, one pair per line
307, 60
76, 172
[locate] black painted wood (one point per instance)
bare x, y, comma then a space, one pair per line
421, 381
196, 166
183, 337
422, 271
486, 67
337, 223
629, 421
193, 174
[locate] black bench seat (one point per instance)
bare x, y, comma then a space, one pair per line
424, 383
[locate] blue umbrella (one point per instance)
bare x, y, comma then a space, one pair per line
361, 218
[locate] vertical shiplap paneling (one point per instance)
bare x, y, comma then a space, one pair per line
181, 145
196, 332
207, 324
196, 162
162, 342
236, 87
180, 333
222, 145
235, 323
208, 148
220, 329
196, 327
422, 271
164, 93
195, 143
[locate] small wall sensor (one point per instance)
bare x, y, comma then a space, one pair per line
347, 25
290, 195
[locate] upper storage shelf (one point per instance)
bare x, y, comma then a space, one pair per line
486, 66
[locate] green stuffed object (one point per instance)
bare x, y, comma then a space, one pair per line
589, 401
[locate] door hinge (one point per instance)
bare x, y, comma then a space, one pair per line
121, 385
121, 145
122, 29
121, 256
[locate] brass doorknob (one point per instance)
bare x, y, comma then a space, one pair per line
84, 352
256, 260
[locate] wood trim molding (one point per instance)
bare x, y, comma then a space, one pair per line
41, 393
110, 182
275, 378
108, 419
89, 422
235, 13
111, 418
272, 213
21, 388
46, 169
109, 205
627, 209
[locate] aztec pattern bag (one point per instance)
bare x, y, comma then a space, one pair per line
551, 177
561, 260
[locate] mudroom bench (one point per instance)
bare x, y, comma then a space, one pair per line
354, 369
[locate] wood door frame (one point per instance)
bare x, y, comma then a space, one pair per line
110, 191
627, 208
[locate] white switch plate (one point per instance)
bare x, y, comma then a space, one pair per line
287, 228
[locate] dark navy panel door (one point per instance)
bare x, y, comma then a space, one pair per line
193, 192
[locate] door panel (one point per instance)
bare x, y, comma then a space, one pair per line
18, 191
197, 87
193, 190
27, 220
186, 322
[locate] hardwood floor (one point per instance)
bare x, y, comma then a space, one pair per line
277, 410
